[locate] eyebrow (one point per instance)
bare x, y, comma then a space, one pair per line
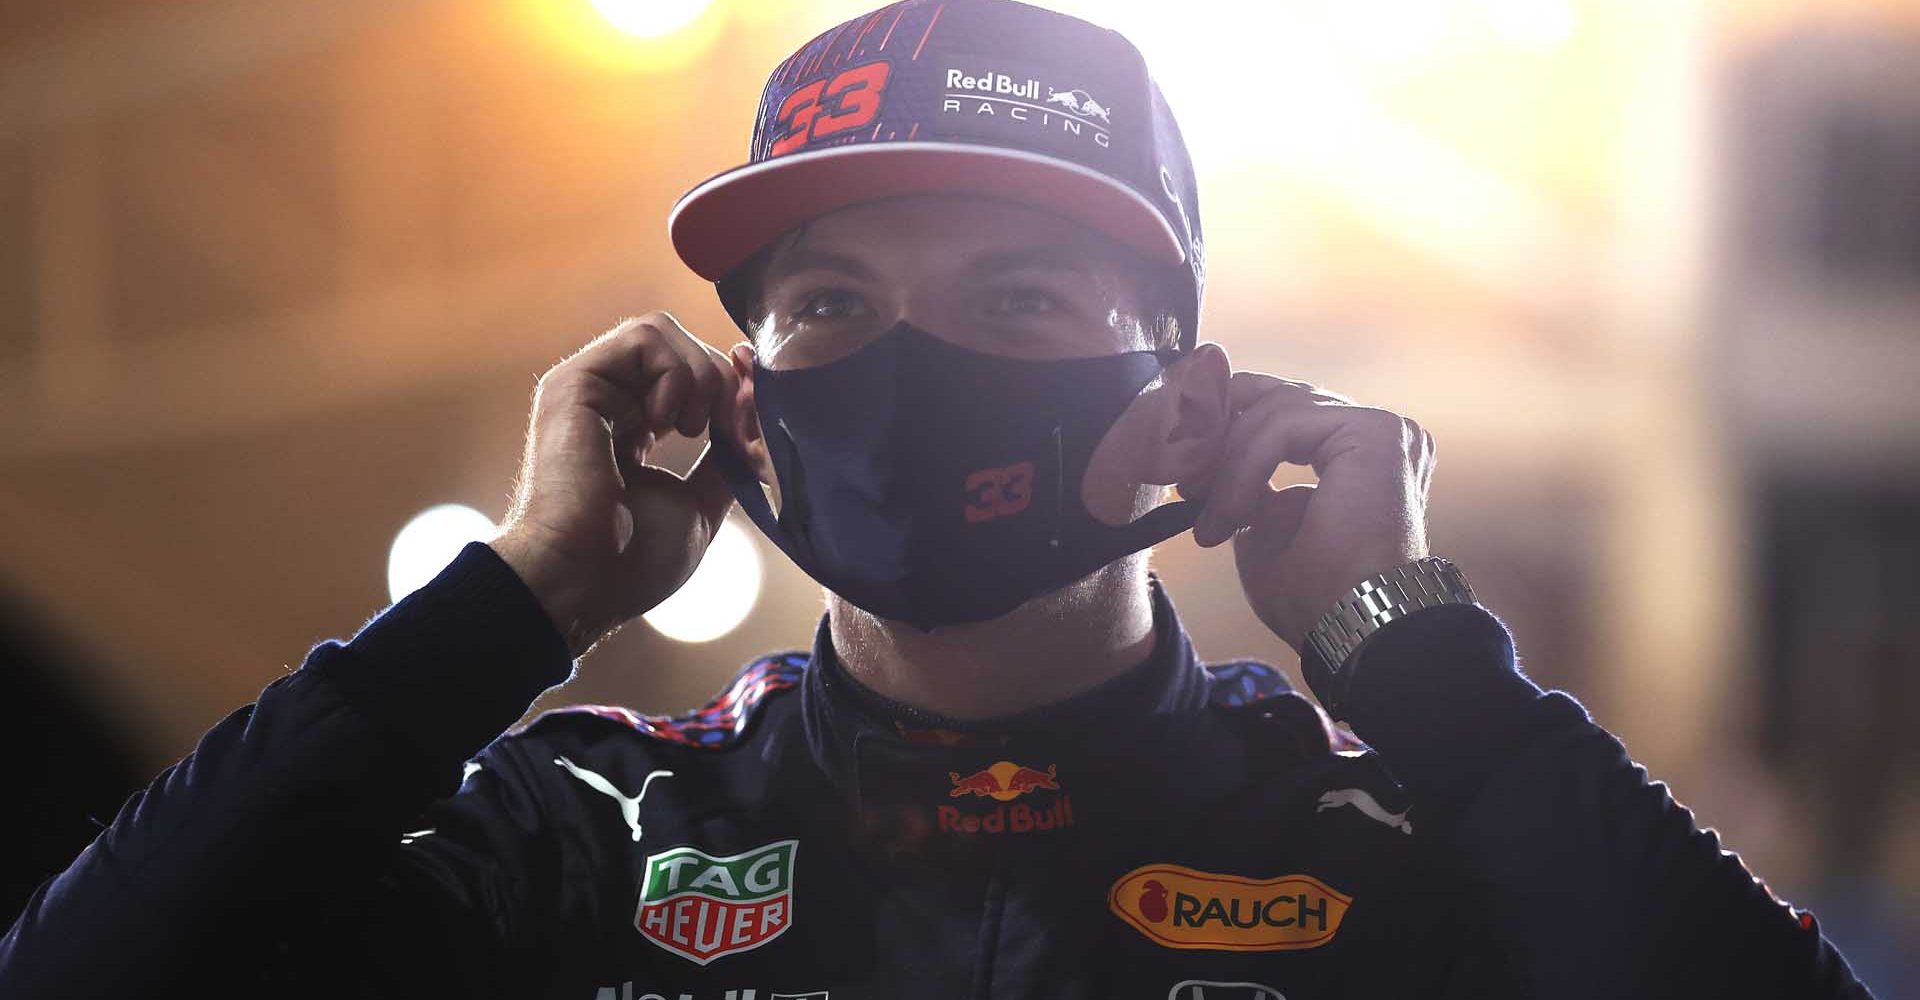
1058, 258
806, 259
1055, 258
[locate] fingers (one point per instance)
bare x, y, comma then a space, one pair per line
1280, 512
650, 374
1247, 388
688, 393
712, 377
1247, 391
613, 400
1286, 421
1284, 427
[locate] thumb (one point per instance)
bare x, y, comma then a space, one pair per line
1277, 516
712, 495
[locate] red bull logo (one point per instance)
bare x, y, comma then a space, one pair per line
1005, 781
987, 102
989, 82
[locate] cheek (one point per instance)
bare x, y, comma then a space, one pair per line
1128, 329
1118, 294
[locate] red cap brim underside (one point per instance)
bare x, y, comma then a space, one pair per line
719, 224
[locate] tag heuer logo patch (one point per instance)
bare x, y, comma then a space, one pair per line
701, 907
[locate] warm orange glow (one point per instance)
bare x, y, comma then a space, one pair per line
650, 18
643, 36
1475, 133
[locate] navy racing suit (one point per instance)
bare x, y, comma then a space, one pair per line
1181, 832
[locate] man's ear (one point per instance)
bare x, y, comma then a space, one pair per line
1173, 432
745, 421
1194, 422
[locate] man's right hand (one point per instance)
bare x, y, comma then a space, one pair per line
598, 535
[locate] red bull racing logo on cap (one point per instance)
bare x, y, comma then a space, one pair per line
987, 102
1178, 907
1004, 782
702, 907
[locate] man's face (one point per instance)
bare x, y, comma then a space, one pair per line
987, 275
997, 278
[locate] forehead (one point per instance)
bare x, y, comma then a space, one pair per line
944, 233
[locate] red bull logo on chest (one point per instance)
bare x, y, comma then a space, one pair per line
1004, 782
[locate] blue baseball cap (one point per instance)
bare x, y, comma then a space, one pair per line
987, 97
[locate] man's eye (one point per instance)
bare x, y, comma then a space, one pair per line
834, 303
1025, 302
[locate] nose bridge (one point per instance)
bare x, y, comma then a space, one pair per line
923, 296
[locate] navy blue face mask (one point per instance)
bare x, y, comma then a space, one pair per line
934, 485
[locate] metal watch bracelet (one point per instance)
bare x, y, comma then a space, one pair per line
1332, 641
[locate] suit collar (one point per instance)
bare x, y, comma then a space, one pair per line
1106, 756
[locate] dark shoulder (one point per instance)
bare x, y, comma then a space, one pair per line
731, 719
574, 761
1251, 690
1286, 735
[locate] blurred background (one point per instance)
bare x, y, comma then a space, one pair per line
277, 277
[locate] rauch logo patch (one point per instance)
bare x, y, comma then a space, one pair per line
701, 907
1180, 907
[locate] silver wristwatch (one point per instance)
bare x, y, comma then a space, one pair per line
1377, 600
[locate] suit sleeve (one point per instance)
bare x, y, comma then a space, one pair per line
1594, 879
276, 843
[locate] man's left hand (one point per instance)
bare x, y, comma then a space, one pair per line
1299, 549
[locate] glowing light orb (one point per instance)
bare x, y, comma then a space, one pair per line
429, 542
1536, 24
1387, 30
650, 18
716, 599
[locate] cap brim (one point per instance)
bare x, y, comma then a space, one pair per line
723, 221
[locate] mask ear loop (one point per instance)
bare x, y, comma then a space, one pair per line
793, 509
1168, 519
1155, 526
1059, 489
752, 495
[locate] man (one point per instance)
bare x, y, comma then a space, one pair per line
968, 257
